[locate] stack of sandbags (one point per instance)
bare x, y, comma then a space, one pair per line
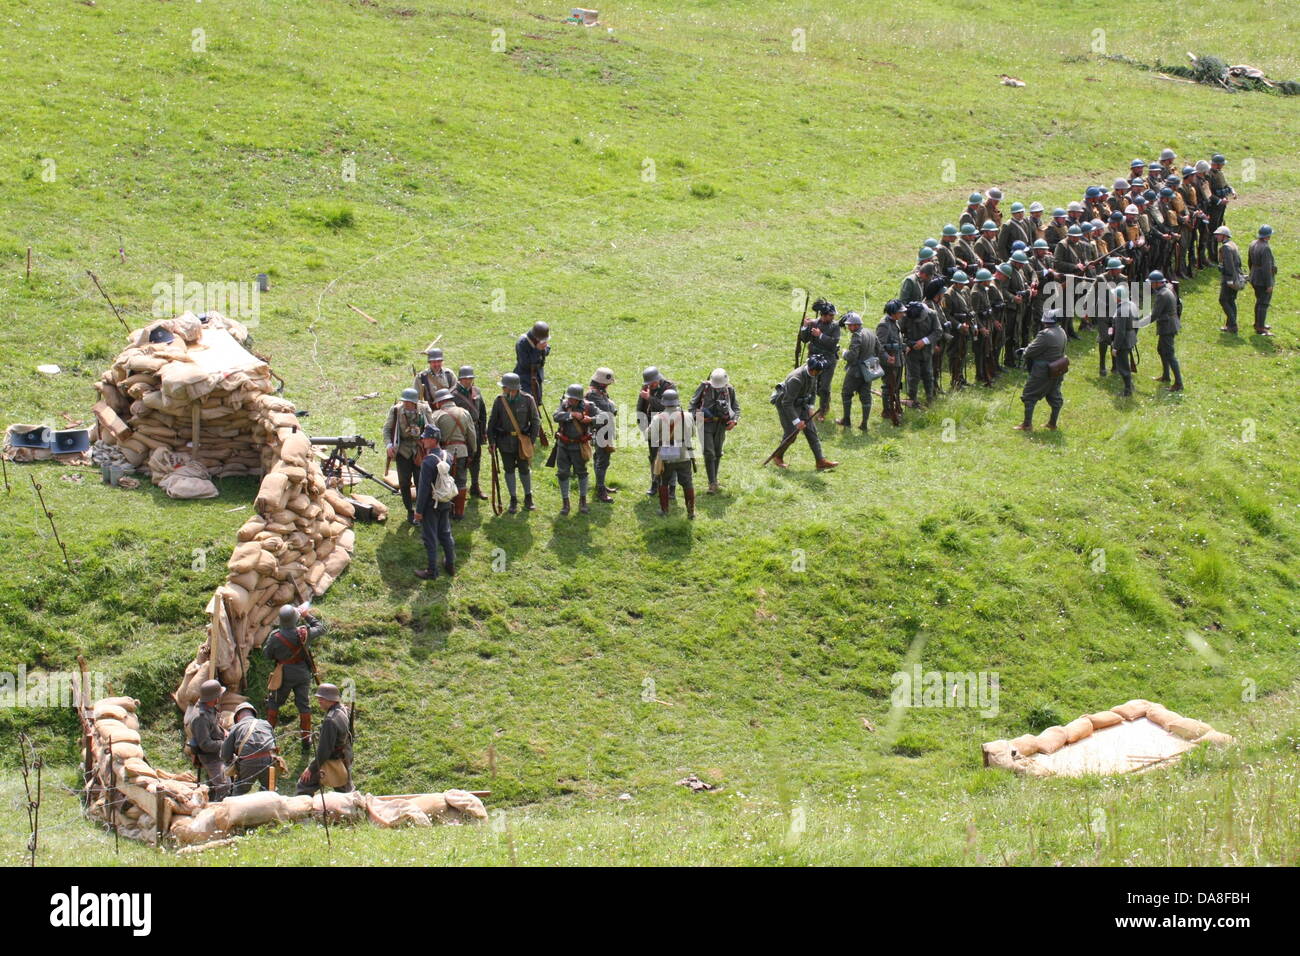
295, 546
124, 790
196, 393
176, 473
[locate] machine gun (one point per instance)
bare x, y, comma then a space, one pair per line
339, 463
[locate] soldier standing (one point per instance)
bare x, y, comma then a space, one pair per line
1122, 335
921, 332
249, 750
794, 406
1057, 229
607, 414
965, 249
1231, 279
531, 350
433, 378
974, 213
823, 338
513, 428
1220, 194
289, 647
863, 346
406, 419
649, 403
574, 417
718, 410
206, 736
433, 514
986, 247
982, 302
889, 333
1015, 229
945, 253
935, 291
1199, 175
1106, 297
992, 209
1037, 228
332, 764
457, 437
913, 284
958, 308
672, 435
1263, 273
468, 397
1046, 348
1164, 316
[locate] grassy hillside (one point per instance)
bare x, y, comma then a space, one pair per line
495, 188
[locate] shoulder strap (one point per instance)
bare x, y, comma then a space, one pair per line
239, 751
505, 403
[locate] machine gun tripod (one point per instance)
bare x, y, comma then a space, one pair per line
338, 464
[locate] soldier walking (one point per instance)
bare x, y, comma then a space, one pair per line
1263, 273
513, 428
1046, 348
794, 407
717, 410
672, 435
1123, 336
332, 764
249, 750
289, 647
603, 440
406, 419
1231, 278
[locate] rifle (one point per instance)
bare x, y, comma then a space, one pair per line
798, 336
786, 442
338, 463
542, 409
498, 508
311, 661
891, 405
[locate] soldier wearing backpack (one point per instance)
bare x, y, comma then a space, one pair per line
433, 504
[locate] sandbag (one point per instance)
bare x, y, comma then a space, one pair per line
1078, 729
1104, 719
255, 809
1161, 716
396, 813
186, 487
1188, 728
111, 711
1052, 739
1133, 709
1025, 745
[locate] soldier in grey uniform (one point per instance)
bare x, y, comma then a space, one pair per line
606, 430
502, 434
1123, 334
672, 435
1046, 348
531, 351
289, 648
249, 750
794, 400
574, 419
649, 403
334, 742
206, 736
1107, 299
921, 333
1231, 278
402, 428
434, 515
718, 411
1263, 273
823, 337
1164, 316
468, 397
863, 346
433, 378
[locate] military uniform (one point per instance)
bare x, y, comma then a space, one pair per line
649, 403
1123, 339
827, 344
1220, 193
987, 250
401, 433
958, 308
863, 345
982, 301
1263, 273
1046, 348
603, 439
428, 383
206, 737
945, 255
1013, 231
334, 743
716, 408
291, 653
966, 256
921, 331
1231, 281
889, 335
501, 433
1164, 316
572, 438
530, 364
435, 516
249, 750
458, 438
976, 215
471, 399
672, 436
794, 403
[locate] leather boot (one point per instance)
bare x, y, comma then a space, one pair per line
825, 464
689, 494
514, 506
272, 717
602, 495
779, 462
450, 568
528, 503
304, 731
1051, 422
663, 501
582, 505
458, 508
477, 492
564, 507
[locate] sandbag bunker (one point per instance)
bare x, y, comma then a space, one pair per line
152, 805
1132, 737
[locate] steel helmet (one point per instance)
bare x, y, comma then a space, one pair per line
958, 278
950, 230
968, 229
819, 363
852, 319
1035, 207
1166, 154
510, 381
930, 243
1019, 256
575, 391
989, 226
975, 199
540, 332
650, 376
925, 254
433, 354
1041, 244
288, 616
718, 377
432, 432
670, 398
1074, 231
1223, 231
210, 690
1130, 210
410, 395
602, 376
1017, 207
983, 275
1156, 276
1265, 231
894, 306
1218, 159
1004, 268
1113, 263
1051, 316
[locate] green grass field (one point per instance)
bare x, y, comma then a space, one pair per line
657, 189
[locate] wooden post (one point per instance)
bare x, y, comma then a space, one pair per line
158, 810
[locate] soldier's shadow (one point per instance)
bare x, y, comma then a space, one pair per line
399, 554
511, 536
669, 537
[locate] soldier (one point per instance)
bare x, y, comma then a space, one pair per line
1164, 316
531, 350
332, 764
958, 308
1137, 170
672, 435
434, 377
974, 213
1220, 194
992, 209
794, 406
649, 403
983, 299
1070, 259
945, 255
1105, 296
986, 247
249, 750
1168, 164
1009, 283
435, 513
1016, 229
513, 428
1057, 229
863, 346
718, 411
458, 437
1231, 279
935, 293
575, 418
921, 332
1263, 273
289, 647
1024, 290
823, 338
1122, 335
1118, 196
1046, 348
468, 397
406, 419
1037, 228
913, 286
603, 442
206, 736
965, 250
1199, 175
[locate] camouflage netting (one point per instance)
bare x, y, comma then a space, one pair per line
146, 803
